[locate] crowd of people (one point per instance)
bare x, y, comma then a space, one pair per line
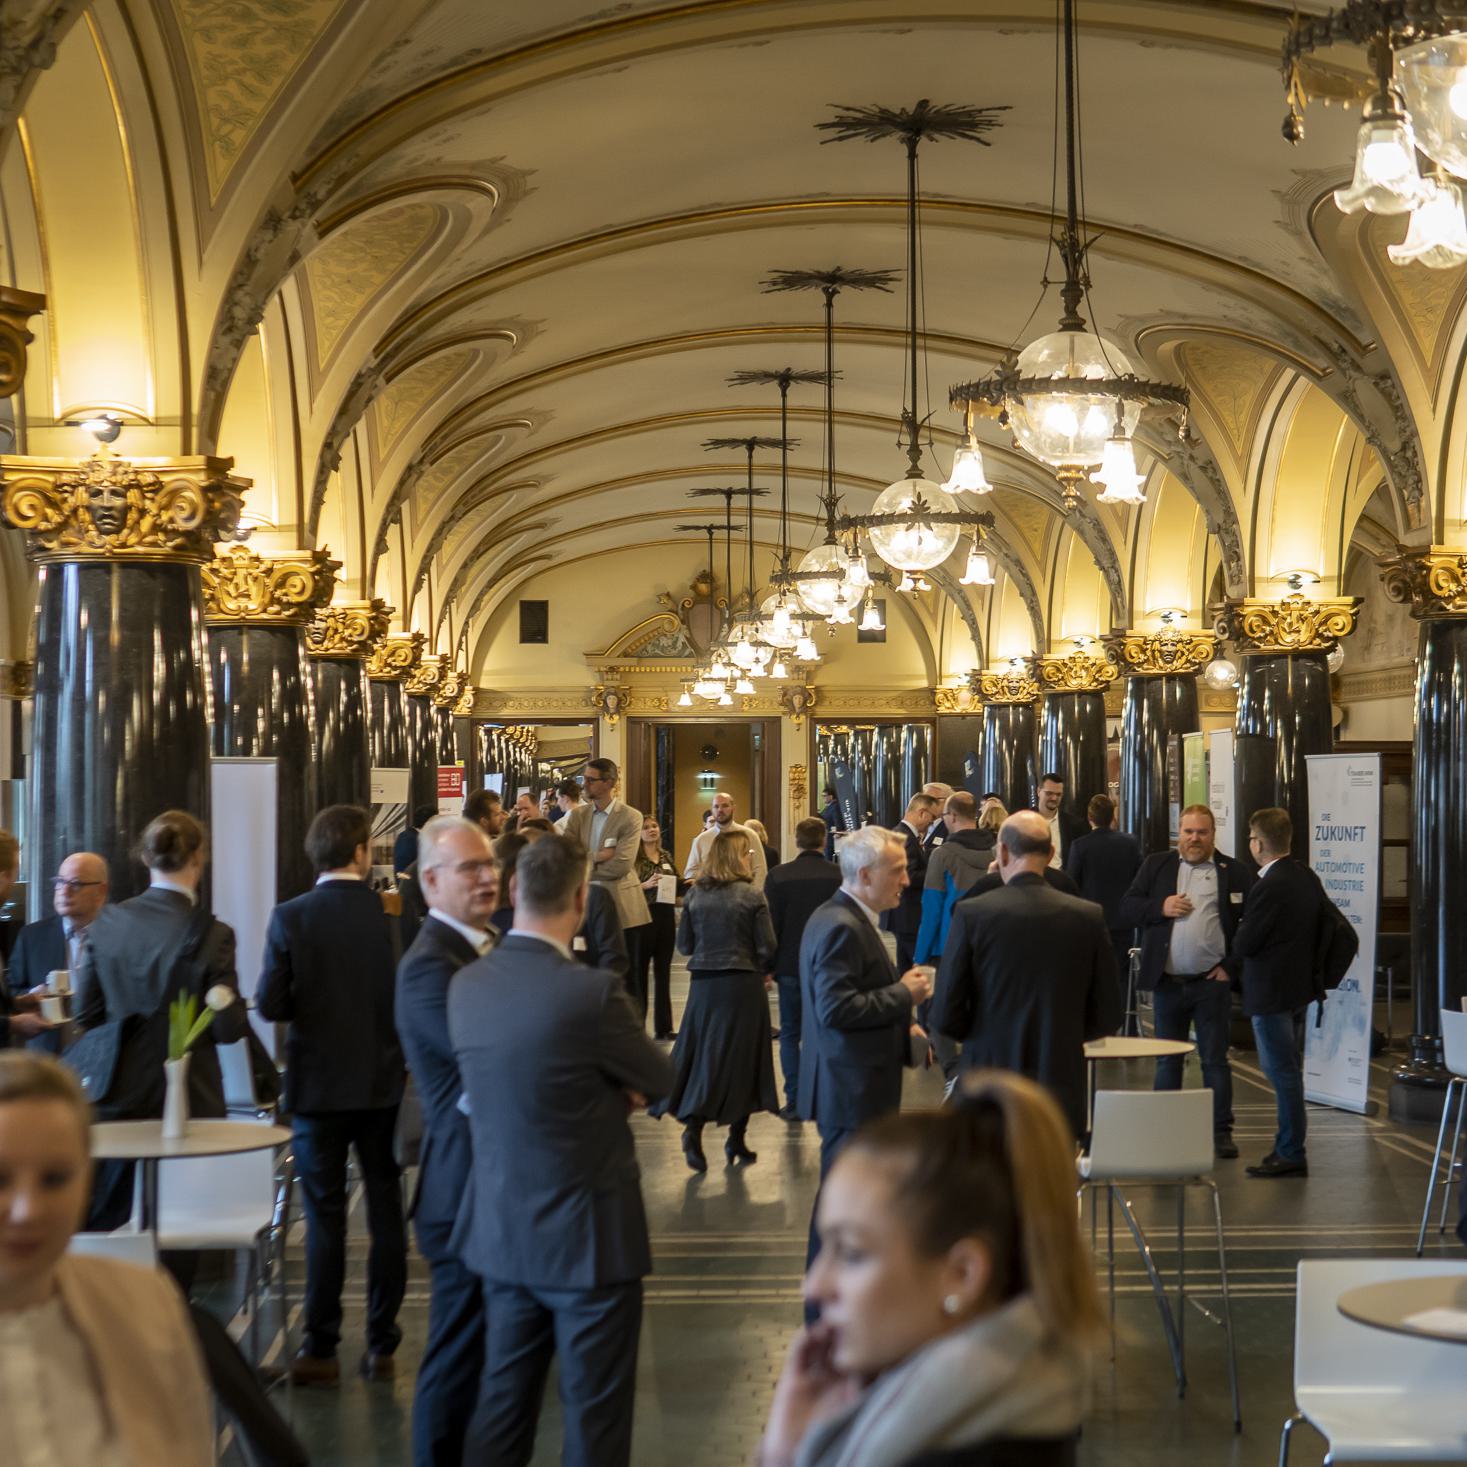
950, 1306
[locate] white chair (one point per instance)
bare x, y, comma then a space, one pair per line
228, 1202
1454, 1053
127, 1245
1373, 1396
238, 1072
1160, 1138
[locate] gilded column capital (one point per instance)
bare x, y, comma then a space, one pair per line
1013, 686
17, 679
395, 656
1295, 623
423, 680
450, 685
119, 509
1080, 672
1433, 579
16, 309
347, 630
467, 697
1171, 652
242, 587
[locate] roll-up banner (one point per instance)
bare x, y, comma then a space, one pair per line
973, 775
1344, 850
242, 800
1220, 795
845, 793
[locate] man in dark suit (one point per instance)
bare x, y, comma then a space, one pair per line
1053, 876
904, 921
794, 890
552, 1056
831, 819
601, 942
1064, 828
459, 879
328, 973
1102, 865
937, 832
1276, 940
405, 847
1186, 904
856, 1035
1028, 974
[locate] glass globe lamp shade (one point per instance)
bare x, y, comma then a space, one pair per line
818, 596
1069, 427
743, 686
707, 688
776, 626
871, 618
724, 701
806, 650
979, 570
1433, 79
1119, 475
1386, 178
685, 699
910, 544
1220, 675
968, 476
718, 670
1437, 234
857, 576
779, 669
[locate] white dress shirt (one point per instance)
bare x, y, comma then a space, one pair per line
872, 916
477, 938
1056, 840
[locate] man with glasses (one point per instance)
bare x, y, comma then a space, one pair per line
62, 940
612, 832
460, 882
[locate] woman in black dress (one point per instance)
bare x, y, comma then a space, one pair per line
654, 940
724, 1059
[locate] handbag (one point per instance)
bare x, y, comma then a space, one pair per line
120, 1062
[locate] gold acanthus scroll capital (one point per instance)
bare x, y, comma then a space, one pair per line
1079, 672
1173, 651
395, 656
423, 680
348, 629
242, 587
1432, 580
16, 309
1296, 623
110, 508
1012, 685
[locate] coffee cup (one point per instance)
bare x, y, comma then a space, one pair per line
53, 1008
58, 980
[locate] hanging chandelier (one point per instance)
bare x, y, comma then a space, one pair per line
914, 524
1071, 397
1418, 52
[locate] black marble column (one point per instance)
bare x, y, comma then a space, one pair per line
337, 646
422, 751
389, 726
1283, 716
1008, 749
1157, 709
120, 729
1072, 744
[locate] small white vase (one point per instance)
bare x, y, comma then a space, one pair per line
175, 1099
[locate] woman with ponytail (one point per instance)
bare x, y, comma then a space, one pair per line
958, 1307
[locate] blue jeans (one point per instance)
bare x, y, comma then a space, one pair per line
1179, 1003
790, 1017
1278, 1053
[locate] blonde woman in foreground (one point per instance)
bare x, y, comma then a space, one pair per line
99, 1363
957, 1298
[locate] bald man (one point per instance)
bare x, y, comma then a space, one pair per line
1028, 974
78, 893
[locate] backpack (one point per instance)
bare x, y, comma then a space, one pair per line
1335, 946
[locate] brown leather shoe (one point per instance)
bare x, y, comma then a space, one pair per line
315, 1370
377, 1367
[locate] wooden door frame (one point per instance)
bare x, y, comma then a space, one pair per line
638, 782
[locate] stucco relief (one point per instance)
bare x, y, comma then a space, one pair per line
1385, 632
1232, 381
411, 392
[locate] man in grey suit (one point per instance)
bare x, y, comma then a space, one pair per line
857, 1014
612, 832
552, 1057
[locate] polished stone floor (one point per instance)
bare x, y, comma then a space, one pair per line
725, 1295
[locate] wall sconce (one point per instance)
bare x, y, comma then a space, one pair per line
1297, 580
104, 427
1170, 616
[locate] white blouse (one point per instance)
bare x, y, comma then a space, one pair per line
51, 1408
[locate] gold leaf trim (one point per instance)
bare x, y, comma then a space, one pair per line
242, 587
1173, 651
395, 656
1077, 673
348, 629
1432, 580
1007, 687
1294, 624
423, 680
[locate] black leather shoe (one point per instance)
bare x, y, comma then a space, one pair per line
376, 1367
1223, 1146
314, 1370
736, 1152
693, 1150
1274, 1165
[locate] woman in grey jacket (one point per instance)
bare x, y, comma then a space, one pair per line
724, 1057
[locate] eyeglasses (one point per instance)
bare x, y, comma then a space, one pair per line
71, 884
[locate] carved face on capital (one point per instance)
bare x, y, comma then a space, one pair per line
107, 505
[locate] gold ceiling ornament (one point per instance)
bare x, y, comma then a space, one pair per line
347, 629
423, 680
395, 656
110, 508
799, 791
610, 702
797, 699
1080, 672
242, 587
1433, 579
1007, 685
1296, 623
1173, 651
467, 695
16, 308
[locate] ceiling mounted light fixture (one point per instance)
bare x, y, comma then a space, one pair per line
1418, 52
1071, 397
979, 571
914, 524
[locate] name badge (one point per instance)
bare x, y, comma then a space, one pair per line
936, 841
1236, 897
609, 841
578, 943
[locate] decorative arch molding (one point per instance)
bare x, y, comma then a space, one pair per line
32, 31
945, 581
